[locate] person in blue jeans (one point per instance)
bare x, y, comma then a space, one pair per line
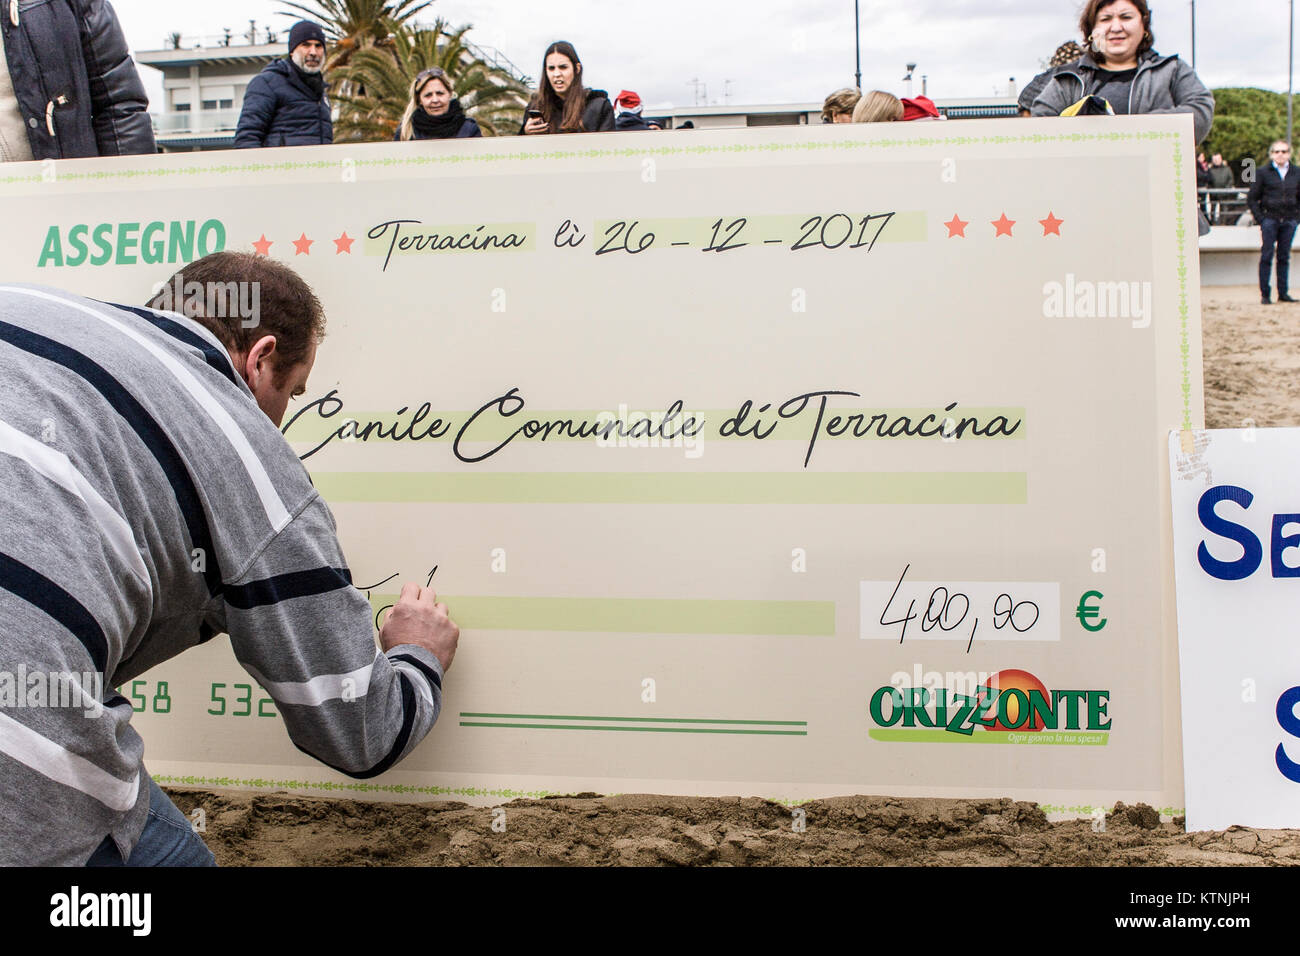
1274, 200
168, 839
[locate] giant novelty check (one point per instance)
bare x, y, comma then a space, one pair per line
789, 462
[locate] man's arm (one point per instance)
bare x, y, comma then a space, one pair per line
1191, 96
118, 103
1053, 97
305, 633
255, 115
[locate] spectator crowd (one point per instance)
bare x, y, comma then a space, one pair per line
100, 108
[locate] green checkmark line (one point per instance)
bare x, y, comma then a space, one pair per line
636, 615
714, 488
644, 720
641, 730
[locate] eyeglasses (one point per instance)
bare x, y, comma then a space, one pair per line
430, 73
1284, 149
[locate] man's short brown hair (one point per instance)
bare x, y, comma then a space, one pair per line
216, 291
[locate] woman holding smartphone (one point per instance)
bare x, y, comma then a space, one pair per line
562, 104
433, 112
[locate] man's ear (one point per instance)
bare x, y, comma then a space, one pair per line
259, 363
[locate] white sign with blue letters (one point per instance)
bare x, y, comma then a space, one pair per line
1236, 501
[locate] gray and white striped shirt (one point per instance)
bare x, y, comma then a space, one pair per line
149, 505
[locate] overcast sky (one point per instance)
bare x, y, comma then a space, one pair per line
777, 51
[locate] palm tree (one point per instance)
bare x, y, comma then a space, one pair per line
381, 79
354, 25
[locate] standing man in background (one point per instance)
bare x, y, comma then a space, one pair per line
285, 104
68, 85
1274, 203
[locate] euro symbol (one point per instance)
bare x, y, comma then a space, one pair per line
1085, 614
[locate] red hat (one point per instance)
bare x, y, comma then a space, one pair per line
628, 102
919, 107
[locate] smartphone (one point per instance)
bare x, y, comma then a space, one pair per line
534, 114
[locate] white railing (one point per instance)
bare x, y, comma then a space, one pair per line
202, 121
194, 41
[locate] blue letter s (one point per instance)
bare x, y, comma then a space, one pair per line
1253, 554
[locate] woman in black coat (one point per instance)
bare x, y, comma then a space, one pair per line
433, 111
562, 104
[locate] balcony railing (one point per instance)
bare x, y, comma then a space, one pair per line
201, 121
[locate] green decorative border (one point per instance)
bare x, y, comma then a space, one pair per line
1055, 808
357, 787
451, 159
846, 145
1181, 232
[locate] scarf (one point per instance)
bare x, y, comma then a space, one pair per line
445, 126
314, 81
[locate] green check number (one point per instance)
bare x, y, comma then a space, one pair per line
242, 705
162, 702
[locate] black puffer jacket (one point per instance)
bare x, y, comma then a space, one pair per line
280, 109
76, 84
597, 114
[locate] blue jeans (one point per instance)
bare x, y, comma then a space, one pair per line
167, 840
1277, 233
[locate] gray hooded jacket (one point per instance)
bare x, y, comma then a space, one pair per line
1163, 84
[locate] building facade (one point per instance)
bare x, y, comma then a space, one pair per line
203, 89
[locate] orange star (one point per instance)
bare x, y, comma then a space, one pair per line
343, 243
1003, 226
1051, 225
956, 227
263, 246
302, 245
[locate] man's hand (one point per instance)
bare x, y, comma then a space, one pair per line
417, 618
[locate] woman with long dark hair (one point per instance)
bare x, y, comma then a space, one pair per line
433, 112
562, 104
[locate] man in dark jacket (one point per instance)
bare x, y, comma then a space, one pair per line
285, 105
68, 86
1275, 205
1221, 176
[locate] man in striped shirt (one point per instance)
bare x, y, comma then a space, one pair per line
152, 503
